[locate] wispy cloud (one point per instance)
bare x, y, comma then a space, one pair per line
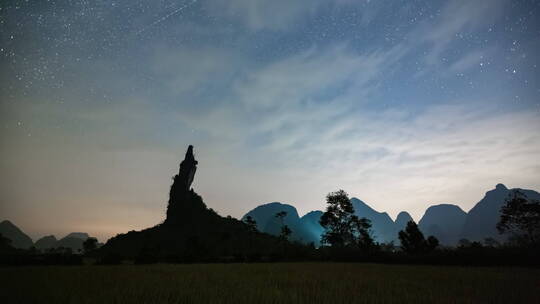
457, 19
260, 14
474, 58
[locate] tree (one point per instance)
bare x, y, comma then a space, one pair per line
90, 244
388, 247
467, 244
464, 243
413, 241
285, 230
362, 228
432, 243
342, 227
520, 216
251, 223
491, 242
252, 228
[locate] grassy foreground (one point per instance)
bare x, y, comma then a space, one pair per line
268, 283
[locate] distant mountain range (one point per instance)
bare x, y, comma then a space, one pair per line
20, 240
449, 223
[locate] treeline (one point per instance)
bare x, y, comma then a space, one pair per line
52, 256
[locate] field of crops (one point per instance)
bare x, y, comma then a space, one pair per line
268, 283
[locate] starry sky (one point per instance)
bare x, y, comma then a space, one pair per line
403, 104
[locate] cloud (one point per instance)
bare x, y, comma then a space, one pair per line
261, 14
186, 70
308, 76
471, 59
318, 85
285, 15
456, 17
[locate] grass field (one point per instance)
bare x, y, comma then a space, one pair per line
268, 283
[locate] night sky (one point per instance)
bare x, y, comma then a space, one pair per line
403, 104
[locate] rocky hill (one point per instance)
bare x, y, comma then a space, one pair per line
192, 232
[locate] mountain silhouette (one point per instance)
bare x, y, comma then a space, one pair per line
308, 229
78, 235
402, 219
46, 242
383, 227
18, 238
264, 215
482, 219
267, 222
193, 232
447, 222
73, 240
310, 222
444, 221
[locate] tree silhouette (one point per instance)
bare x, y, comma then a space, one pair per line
285, 230
491, 242
89, 244
464, 242
251, 223
413, 241
521, 217
362, 228
432, 243
342, 227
